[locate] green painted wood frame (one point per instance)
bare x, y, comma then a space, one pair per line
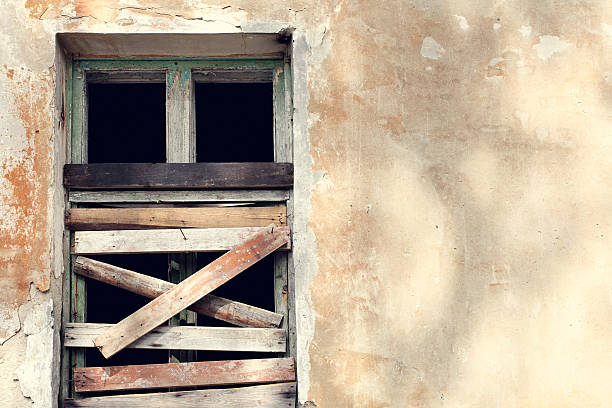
180, 147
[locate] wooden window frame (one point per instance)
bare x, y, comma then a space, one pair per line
180, 76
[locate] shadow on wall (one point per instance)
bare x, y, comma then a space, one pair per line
459, 218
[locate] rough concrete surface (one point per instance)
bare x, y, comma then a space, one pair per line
453, 206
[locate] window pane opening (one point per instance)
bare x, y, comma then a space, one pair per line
127, 123
234, 122
109, 304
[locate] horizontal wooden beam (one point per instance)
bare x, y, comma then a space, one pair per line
162, 240
177, 175
98, 219
196, 374
280, 395
200, 196
186, 338
220, 308
191, 290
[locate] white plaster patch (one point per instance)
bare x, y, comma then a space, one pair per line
525, 31
38, 360
496, 61
9, 324
463, 24
549, 45
607, 29
523, 117
541, 134
496, 27
431, 49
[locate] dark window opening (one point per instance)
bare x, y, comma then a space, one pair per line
109, 304
127, 123
234, 122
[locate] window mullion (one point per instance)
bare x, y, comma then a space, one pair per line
180, 129
180, 148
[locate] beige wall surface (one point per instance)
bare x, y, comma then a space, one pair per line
453, 205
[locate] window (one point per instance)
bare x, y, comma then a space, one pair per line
174, 162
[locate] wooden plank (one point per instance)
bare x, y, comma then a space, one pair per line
186, 338
178, 175
99, 219
125, 77
200, 196
220, 308
193, 374
191, 289
180, 131
161, 240
233, 76
280, 395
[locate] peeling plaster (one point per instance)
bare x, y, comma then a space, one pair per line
431, 49
550, 45
525, 31
35, 372
463, 23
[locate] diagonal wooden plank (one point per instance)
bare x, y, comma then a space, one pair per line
193, 374
191, 289
99, 219
161, 240
280, 395
187, 338
220, 308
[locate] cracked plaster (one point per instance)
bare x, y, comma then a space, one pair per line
453, 231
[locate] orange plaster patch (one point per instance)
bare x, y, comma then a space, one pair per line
25, 232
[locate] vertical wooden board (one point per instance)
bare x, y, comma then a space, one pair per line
180, 267
259, 396
78, 153
195, 374
190, 290
180, 146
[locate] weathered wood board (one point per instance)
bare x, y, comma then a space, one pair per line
280, 395
162, 240
191, 289
96, 219
186, 338
177, 175
193, 374
178, 197
220, 308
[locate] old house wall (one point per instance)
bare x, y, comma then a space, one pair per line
452, 222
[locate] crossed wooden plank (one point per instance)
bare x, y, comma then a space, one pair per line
191, 290
217, 307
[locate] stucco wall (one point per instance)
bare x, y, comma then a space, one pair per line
453, 212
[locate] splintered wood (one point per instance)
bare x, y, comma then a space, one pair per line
190, 290
207, 373
186, 338
161, 240
96, 219
280, 395
220, 308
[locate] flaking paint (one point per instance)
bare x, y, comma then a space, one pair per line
452, 244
